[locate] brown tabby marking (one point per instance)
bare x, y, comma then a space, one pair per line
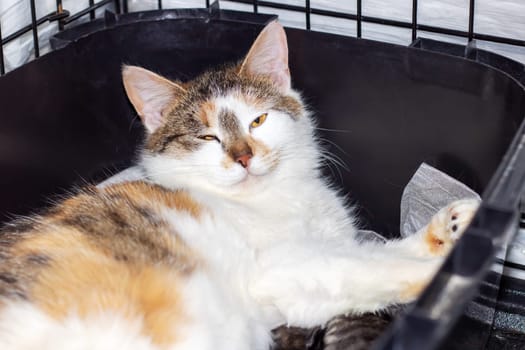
296, 338
289, 105
348, 332
234, 142
355, 332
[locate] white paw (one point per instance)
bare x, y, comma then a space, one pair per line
459, 216
449, 224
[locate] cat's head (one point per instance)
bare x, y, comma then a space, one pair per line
233, 130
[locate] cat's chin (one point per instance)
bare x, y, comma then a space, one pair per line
246, 178
255, 172
248, 181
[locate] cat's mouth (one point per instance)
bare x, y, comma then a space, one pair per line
250, 176
256, 173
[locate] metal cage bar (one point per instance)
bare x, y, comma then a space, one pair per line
2, 66
359, 10
84, 12
34, 28
64, 18
92, 12
60, 9
307, 13
471, 21
117, 6
414, 20
391, 22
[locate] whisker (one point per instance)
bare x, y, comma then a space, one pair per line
333, 130
334, 169
335, 159
332, 143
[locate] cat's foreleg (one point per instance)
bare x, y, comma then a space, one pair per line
310, 282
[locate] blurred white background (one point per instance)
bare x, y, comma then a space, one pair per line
505, 18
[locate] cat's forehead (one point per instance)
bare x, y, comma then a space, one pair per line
237, 106
245, 95
227, 82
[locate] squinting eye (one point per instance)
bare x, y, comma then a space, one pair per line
258, 121
209, 138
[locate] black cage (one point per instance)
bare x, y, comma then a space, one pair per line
66, 19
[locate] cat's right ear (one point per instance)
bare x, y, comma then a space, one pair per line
268, 56
150, 94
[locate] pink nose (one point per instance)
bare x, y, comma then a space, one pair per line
244, 159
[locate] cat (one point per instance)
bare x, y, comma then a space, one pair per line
233, 232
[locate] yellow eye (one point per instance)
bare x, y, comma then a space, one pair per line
258, 121
209, 138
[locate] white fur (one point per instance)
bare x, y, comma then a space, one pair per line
24, 327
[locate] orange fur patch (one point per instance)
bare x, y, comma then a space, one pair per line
108, 251
412, 291
144, 192
227, 162
257, 147
206, 112
434, 243
262, 150
83, 281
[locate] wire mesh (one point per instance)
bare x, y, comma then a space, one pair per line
121, 6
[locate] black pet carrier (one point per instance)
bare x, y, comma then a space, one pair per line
65, 119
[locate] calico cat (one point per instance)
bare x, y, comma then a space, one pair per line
233, 233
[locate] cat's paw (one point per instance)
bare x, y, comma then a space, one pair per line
448, 225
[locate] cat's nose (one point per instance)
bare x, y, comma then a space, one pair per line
244, 159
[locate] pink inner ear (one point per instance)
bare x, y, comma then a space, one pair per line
150, 94
152, 119
269, 56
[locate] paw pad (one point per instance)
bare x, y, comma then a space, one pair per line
448, 224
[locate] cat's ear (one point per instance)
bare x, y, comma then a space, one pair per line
269, 56
150, 94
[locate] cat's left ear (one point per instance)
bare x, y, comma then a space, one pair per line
150, 94
269, 56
